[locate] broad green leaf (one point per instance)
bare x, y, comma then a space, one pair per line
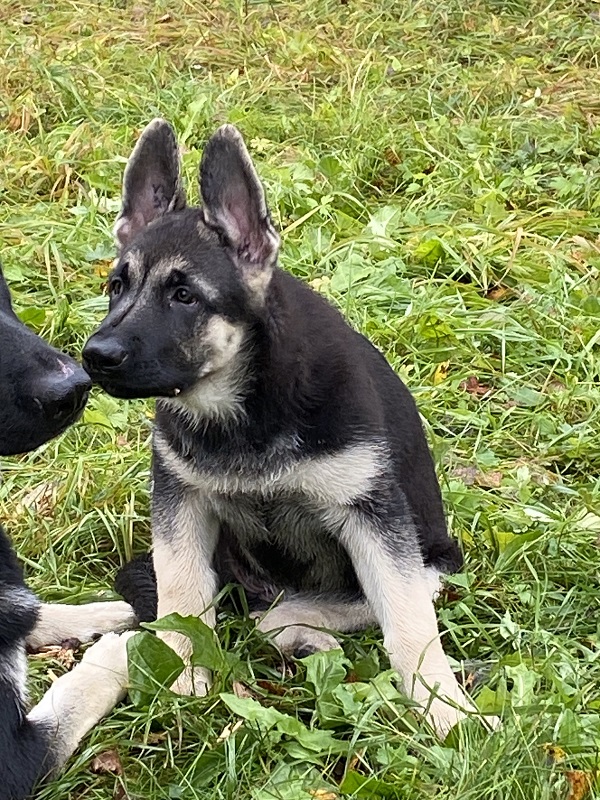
252, 711
153, 666
364, 786
325, 670
206, 648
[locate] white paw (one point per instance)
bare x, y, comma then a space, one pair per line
108, 658
443, 716
302, 641
193, 681
292, 638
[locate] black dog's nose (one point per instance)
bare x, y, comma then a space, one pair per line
103, 355
62, 394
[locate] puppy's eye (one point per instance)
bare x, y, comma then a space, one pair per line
183, 295
115, 287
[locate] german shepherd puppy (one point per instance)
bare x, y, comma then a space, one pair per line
287, 455
42, 392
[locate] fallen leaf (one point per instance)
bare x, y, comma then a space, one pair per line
107, 762
156, 737
391, 157
580, 784
64, 655
469, 681
353, 763
467, 475
489, 480
40, 500
272, 688
555, 753
471, 476
241, 690
441, 373
229, 729
498, 293
472, 386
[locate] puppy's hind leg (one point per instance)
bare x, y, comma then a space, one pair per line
399, 589
295, 624
58, 622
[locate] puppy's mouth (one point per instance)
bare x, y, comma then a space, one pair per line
130, 392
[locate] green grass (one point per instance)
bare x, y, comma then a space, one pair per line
437, 169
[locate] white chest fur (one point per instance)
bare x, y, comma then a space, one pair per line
333, 479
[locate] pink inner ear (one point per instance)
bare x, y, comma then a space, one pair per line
128, 227
122, 231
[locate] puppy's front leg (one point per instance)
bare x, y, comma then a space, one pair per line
57, 622
77, 701
184, 537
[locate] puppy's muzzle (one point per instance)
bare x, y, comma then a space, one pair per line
61, 395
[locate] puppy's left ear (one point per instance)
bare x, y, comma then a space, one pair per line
234, 204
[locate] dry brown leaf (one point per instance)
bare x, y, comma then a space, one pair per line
468, 475
64, 655
472, 386
580, 783
40, 500
229, 729
489, 480
498, 293
469, 681
272, 688
156, 737
241, 690
353, 763
107, 762
471, 476
392, 157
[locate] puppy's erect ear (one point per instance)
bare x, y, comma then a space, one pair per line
234, 205
152, 181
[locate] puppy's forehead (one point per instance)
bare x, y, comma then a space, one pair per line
181, 235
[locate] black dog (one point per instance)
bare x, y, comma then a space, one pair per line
288, 456
43, 391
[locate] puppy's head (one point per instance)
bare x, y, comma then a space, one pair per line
188, 280
42, 391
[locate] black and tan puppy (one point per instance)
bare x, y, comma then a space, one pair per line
42, 392
288, 456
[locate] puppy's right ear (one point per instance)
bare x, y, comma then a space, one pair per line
152, 182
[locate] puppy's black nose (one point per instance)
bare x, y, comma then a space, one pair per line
103, 355
62, 394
